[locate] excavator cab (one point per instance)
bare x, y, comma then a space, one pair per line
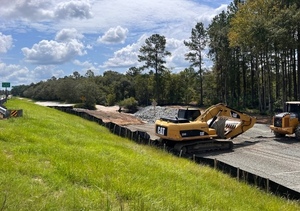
189, 113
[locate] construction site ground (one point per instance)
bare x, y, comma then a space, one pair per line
256, 151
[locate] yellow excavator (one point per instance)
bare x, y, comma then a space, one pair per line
200, 135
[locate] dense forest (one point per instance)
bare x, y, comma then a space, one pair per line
254, 46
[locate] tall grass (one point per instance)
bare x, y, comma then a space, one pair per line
51, 160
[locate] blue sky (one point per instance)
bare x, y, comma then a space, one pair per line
40, 39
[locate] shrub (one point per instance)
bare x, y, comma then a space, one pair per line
129, 104
110, 99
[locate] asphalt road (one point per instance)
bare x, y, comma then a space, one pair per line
257, 151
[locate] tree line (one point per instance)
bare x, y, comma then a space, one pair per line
255, 49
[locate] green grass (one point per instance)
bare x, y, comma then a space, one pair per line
51, 160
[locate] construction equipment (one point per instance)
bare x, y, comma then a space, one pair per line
287, 122
189, 113
200, 135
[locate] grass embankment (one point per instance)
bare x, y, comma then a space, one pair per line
51, 160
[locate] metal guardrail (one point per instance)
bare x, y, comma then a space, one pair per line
2, 100
142, 137
4, 112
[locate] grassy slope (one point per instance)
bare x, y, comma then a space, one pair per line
51, 160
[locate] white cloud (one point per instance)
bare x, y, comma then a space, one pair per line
114, 35
178, 50
65, 47
26, 9
73, 9
94, 16
41, 10
221, 8
15, 74
46, 71
86, 65
53, 52
127, 56
6, 42
66, 35
57, 32
90, 47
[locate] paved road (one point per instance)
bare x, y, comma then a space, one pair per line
259, 152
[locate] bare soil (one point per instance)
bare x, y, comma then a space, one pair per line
112, 114
263, 119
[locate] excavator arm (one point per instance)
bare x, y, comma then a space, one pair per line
227, 122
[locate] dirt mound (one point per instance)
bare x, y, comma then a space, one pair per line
111, 114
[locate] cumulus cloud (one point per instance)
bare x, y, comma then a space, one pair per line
73, 9
58, 51
40, 10
86, 65
178, 50
66, 35
53, 52
87, 14
114, 35
25, 9
46, 71
117, 21
15, 74
127, 56
6, 42
124, 57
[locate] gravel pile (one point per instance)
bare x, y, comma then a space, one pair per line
150, 113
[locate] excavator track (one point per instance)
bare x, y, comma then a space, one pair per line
189, 148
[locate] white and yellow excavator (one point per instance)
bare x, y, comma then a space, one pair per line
204, 133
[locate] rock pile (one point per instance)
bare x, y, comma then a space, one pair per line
150, 113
